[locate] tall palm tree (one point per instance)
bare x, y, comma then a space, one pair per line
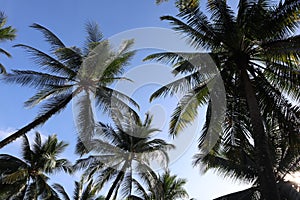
27, 178
72, 72
116, 154
6, 33
258, 59
164, 186
239, 162
82, 191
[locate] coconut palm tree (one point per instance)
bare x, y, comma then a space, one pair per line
6, 33
82, 191
182, 4
116, 154
27, 178
164, 186
72, 72
238, 162
257, 56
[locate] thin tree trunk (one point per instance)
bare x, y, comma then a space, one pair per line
38, 121
266, 175
115, 183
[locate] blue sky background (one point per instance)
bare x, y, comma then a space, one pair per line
66, 18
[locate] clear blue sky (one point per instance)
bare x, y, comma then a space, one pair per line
66, 18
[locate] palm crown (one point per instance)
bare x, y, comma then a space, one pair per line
258, 59
27, 178
116, 154
70, 73
82, 191
6, 33
160, 187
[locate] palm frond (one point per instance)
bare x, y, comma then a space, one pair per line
85, 117
4, 52
50, 37
55, 105
72, 58
187, 108
34, 79
62, 191
94, 35
27, 153
46, 61
286, 16
49, 91
2, 69
194, 37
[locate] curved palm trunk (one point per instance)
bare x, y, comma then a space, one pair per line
266, 175
38, 121
115, 183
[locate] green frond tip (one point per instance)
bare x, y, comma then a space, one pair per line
187, 4
2, 69
158, 2
94, 35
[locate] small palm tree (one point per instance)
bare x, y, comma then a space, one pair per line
82, 191
6, 33
26, 178
116, 154
72, 72
161, 187
182, 4
257, 55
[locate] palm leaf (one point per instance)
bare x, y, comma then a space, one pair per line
50, 37
62, 191
46, 61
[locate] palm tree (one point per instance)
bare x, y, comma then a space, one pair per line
6, 33
81, 191
164, 186
258, 60
116, 154
26, 178
182, 4
239, 163
70, 73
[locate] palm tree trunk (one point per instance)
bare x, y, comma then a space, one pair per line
266, 175
38, 121
115, 183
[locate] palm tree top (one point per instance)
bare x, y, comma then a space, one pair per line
121, 152
257, 55
6, 33
68, 72
160, 187
27, 177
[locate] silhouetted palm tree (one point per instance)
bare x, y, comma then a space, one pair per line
258, 59
161, 187
27, 178
116, 154
70, 73
182, 4
6, 33
82, 191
